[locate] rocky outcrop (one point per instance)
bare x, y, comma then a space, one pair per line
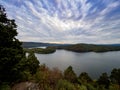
26, 86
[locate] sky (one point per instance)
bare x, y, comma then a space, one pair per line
66, 21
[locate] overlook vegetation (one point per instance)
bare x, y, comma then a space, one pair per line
16, 67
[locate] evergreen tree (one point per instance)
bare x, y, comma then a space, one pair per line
70, 75
104, 80
115, 76
85, 78
32, 63
11, 51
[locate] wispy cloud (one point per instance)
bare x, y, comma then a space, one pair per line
66, 21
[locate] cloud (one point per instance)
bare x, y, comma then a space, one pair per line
66, 21
109, 8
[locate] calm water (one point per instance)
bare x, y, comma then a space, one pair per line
92, 63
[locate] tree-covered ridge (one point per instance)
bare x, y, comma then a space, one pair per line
47, 50
40, 44
75, 48
89, 48
82, 47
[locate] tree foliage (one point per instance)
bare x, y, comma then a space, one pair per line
104, 80
70, 75
65, 85
32, 64
115, 76
85, 78
11, 51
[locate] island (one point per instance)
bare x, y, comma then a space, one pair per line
47, 50
90, 48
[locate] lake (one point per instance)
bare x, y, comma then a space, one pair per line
92, 63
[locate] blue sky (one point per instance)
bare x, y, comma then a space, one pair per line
66, 21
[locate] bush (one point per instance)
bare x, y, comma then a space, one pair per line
90, 87
5, 87
26, 76
65, 85
82, 87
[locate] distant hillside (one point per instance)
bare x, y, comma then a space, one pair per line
110, 44
90, 48
75, 47
40, 44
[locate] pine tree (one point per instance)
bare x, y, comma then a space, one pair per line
85, 78
11, 52
32, 63
104, 80
70, 75
115, 76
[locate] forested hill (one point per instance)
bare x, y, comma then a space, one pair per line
75, 47
110, 44
40, 44
91, 47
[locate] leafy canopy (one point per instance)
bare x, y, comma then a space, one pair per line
11, 51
